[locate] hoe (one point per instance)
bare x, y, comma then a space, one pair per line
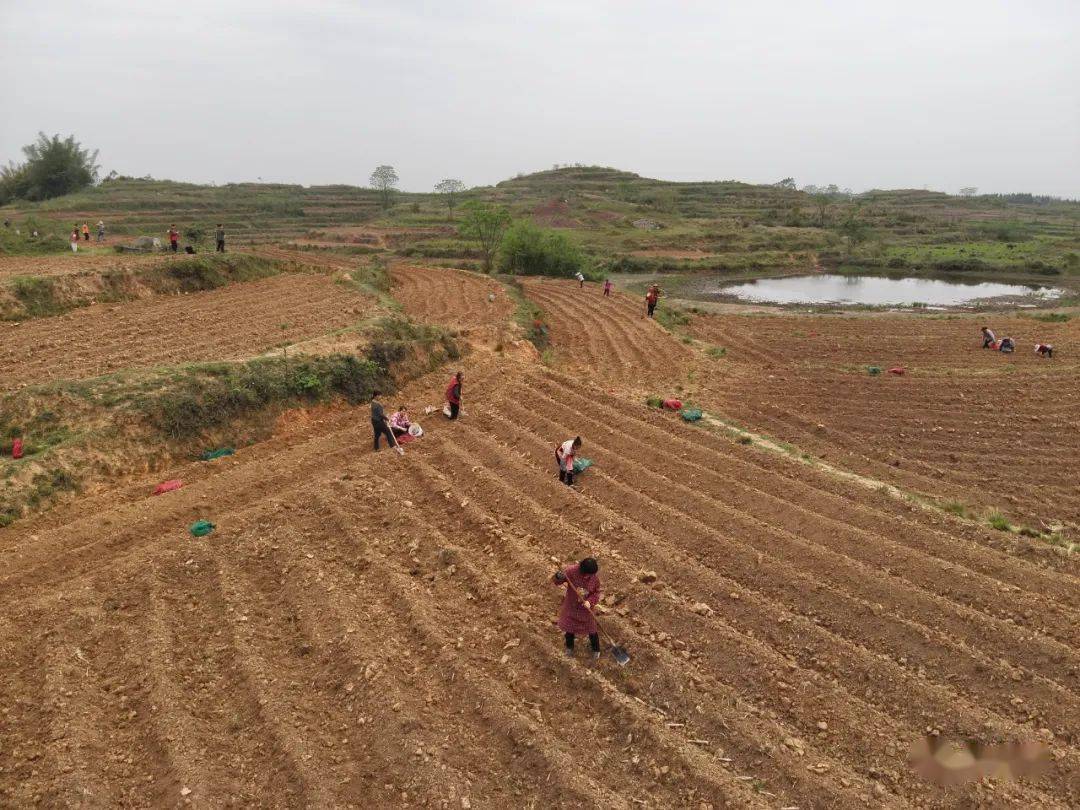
621, 656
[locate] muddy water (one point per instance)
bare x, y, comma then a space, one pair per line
878, 291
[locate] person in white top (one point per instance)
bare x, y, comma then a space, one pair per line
580, 278
564, 456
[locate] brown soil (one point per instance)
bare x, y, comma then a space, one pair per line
962, 423
66, 264
451, 298
373, 631
231, 323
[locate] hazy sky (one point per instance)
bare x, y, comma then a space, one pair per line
861, 93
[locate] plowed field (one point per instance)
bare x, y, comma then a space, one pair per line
451, 298
963, 423
373, 631
608, 337
233, 322
76, 263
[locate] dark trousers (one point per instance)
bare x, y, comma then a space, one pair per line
173, 245
594, 641
86, 235
455, 407
381, 429
220, 245
607, 291
652, 307
987, 341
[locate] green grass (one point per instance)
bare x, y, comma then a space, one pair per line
956, 508
716, 352
998, 521
527, 314
671, 318
1047, 317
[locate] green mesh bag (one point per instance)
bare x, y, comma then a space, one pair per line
210, 455
201, 528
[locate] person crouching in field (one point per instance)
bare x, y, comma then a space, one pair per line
564, 457
989, 338
582, 595
400, 422
1044, 350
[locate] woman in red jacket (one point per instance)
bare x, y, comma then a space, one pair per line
453, 394
582, 595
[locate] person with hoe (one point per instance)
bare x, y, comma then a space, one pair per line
380, 424
564, 457
453, 395
582, 595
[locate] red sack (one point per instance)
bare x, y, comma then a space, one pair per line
16, 449
168, 486
673, 404
405, 438
896, 370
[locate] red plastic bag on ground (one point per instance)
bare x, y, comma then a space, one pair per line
168, 486
673, 404
405, 438
16, 449
896, 370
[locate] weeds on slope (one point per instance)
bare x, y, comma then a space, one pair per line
528, 315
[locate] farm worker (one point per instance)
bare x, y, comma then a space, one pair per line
651, 297
1044, 350
564, 457
378, 421
607, 287
75, 239
86, 232
1007, 345
453, 394
101, 231
399, 422
220, 238
580, 278
174, 237
989, 338
582, 595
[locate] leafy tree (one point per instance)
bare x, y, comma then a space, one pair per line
533, 251
486, 224
385, 179
787, 182
821, 201
53, 167
969, 191
195, 234
450, 188
855, 229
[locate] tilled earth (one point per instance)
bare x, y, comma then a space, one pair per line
230, 323
369, 630
962, 423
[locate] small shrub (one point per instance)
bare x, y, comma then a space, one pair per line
745, 440
956, 508
716, 352
37, 294
999, 522
1027, 531
529, 250
654, 401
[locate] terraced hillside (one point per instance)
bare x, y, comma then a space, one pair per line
364, 629
232, 323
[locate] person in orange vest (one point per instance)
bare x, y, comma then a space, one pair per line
174, 237
453, 394
86, 232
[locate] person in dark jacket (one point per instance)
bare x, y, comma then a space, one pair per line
378, 422
220, 238
453, 394
581, 597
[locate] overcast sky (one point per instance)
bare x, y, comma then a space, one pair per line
861, 93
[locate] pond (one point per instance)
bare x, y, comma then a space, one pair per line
878, 291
